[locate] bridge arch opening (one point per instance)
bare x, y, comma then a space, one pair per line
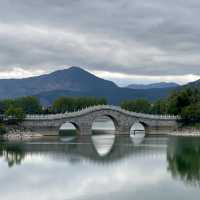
69, 129
104, 124
138, 130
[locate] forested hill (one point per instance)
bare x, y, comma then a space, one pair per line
114, 96
194, 84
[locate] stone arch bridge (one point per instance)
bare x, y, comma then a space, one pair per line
83, 120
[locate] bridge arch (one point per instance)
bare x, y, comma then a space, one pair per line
145, 125
73, 124
138, 126
108, 116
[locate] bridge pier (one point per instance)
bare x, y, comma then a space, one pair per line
123, 130
85, 128
85, 131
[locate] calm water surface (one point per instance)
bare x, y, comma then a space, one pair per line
101, 167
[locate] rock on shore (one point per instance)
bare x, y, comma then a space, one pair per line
187, 131
21, 135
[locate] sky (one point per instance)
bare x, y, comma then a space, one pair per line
138, 41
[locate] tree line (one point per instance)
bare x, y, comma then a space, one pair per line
16, 109
70, 104
184, 102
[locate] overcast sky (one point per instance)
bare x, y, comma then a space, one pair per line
138, 41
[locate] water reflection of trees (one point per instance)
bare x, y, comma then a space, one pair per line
13, 154
183, 156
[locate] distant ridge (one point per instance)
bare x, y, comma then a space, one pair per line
153, 85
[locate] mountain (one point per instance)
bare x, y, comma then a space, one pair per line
72, 79
74, 82
153, 85
194, 84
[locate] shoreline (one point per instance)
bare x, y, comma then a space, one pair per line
21, 135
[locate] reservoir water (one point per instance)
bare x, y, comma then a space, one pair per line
103, 166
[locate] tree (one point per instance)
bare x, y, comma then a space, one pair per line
191, 114
183, 98
15, 115
160, 107
139, 105
1, 107
63, 104
71, 104
29, 104
186, 103
7, 103
102, 101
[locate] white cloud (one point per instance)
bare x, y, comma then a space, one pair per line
125, 79
19, 73
33, 176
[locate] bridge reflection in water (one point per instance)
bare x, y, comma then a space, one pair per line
99, 149
181, 154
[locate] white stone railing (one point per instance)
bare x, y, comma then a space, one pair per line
96, 108
47, 116
119, 109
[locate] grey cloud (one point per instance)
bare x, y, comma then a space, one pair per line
154, 37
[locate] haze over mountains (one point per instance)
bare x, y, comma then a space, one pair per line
77, 82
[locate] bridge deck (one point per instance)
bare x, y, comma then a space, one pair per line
97, 108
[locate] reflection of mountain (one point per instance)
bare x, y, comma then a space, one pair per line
86, 149
183, 156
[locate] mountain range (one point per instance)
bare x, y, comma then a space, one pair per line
153, 85
75, 81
